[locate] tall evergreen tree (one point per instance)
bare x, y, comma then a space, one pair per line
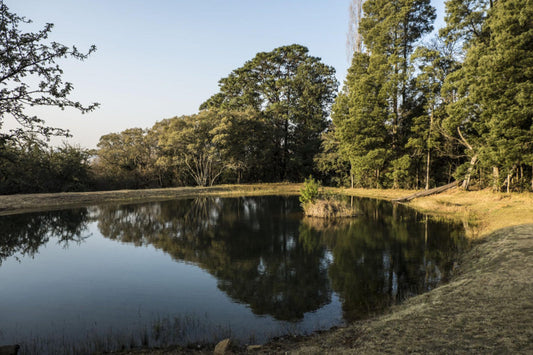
380, 94
358, 117
433, 64
492, 112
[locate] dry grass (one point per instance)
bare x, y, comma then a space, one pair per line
482, 212
487, 211
328, 209
10, 204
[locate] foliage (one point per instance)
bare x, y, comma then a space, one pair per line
125, 159
373, 115
310, 191
29, 76
459, 106
291, 93
491, 114
190, 139
33, 167
333, 166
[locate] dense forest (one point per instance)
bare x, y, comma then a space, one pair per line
417, 109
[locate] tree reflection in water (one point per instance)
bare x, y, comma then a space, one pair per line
384, 256
249, 244
23, 234
264, 255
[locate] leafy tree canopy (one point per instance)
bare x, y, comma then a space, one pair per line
30, 76
293, 92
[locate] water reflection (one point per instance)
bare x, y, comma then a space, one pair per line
23, 234
249, 244
261, 251
264, 255
385, 255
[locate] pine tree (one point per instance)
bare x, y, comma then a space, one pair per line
492, 107
360, 128
379, 94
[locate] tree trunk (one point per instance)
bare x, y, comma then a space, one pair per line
466, 181
495, 179
508, 180
351, 176
427, 170
435, 190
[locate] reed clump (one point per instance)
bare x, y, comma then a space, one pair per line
316, 203
328, 208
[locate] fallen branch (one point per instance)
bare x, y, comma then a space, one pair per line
429, 192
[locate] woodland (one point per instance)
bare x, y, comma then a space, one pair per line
418, 109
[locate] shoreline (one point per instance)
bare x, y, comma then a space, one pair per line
487, 306
22, 203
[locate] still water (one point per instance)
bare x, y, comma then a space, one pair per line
198, 270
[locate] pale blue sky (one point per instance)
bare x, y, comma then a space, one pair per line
162, 58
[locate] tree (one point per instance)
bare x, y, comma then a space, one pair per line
241, 137
29, 76
464, 20
333, 166
503, 86
292, 93
390, 30
358, 118
188, 142
30, 167
126, 159
373, 116
434, 64
354, 42
464, 26
492, 110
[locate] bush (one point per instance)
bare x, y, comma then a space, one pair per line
309, 192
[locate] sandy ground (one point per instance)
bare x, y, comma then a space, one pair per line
487, 307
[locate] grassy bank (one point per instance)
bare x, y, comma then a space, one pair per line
482, 212
10, 204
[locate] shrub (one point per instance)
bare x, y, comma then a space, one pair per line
309, 192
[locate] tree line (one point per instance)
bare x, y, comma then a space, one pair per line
414, 111
458, 107
263, 125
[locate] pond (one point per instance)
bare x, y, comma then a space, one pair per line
199, 270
